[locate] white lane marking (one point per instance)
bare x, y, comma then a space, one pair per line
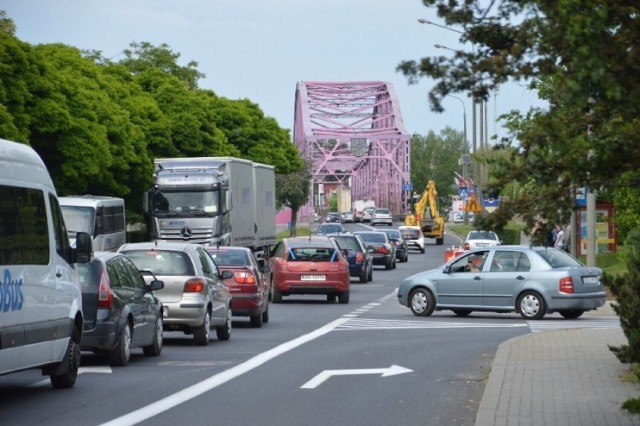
383, 324
326, 374
212, 382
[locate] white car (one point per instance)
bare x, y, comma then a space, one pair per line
478, 239
413, 236
381, 216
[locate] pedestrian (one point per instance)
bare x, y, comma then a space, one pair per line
559, 242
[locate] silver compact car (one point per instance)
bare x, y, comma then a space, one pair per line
531, 281
195, 297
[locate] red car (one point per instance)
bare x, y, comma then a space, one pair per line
248, 287
309, 265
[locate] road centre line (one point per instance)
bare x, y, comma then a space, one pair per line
216, 380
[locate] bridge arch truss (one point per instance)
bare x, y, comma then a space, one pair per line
353, 134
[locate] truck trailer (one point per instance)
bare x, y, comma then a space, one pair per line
213, 201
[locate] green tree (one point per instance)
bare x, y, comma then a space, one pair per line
292, 190
144, 56
577, 53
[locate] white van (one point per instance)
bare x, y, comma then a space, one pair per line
40, 309
100, 216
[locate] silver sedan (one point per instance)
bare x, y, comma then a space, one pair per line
531, 281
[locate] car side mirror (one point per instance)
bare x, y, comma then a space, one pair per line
156, 285
265, 268
83, 251
226, 275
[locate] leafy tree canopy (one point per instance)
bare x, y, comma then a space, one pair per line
581, 55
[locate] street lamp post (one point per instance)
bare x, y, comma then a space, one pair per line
465, 148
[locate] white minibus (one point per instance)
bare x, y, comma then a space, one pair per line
101, 217
41, 301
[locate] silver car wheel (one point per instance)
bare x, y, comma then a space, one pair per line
531, 306
422, 303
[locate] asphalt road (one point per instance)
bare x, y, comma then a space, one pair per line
315, 363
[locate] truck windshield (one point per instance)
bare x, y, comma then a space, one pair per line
79, 219
193, 203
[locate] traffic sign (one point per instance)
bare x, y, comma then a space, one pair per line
462, 193
490, 204
407, 187
473, 205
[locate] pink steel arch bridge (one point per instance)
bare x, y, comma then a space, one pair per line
353, 134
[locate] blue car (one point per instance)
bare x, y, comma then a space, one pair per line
359, 258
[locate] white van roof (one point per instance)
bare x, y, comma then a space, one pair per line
90, 201
21, 165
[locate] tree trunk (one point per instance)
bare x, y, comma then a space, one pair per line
294, 220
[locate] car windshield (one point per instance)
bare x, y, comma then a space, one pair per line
482, 235
558, 258
162, 262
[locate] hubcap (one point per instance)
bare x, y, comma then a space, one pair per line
530, 305
419, 302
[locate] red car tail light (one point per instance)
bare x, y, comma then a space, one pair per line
382, 250
194, 285
359, 257
566, 285
105, 294
244, 278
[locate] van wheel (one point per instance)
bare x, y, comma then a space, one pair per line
68, 379
155, 347
201, 334
122, 352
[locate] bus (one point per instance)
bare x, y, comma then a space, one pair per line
101, 217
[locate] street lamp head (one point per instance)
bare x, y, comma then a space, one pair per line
424, 21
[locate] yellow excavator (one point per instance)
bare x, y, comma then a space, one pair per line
426, 210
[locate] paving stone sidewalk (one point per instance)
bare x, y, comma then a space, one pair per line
563, 377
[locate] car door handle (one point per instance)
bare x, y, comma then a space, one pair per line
520, 277
477, 278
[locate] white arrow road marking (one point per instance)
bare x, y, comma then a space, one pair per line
326, 374
81, 370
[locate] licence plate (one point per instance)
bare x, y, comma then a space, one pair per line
590, 280
313, 277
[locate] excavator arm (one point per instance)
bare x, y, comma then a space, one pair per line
427, 207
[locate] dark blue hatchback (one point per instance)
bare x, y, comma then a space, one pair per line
360, 260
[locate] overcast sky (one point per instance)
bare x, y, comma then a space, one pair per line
260, 49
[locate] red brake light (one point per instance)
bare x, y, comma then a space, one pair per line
382, 250
359, 257
244, 278
566, 285
105, 295
194, 285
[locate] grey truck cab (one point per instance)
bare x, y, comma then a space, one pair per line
40, 298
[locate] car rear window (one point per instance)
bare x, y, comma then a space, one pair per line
348, 243
558, 258
320, 254
230, 258
374, 237
483, 235
162, 262
410, 233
